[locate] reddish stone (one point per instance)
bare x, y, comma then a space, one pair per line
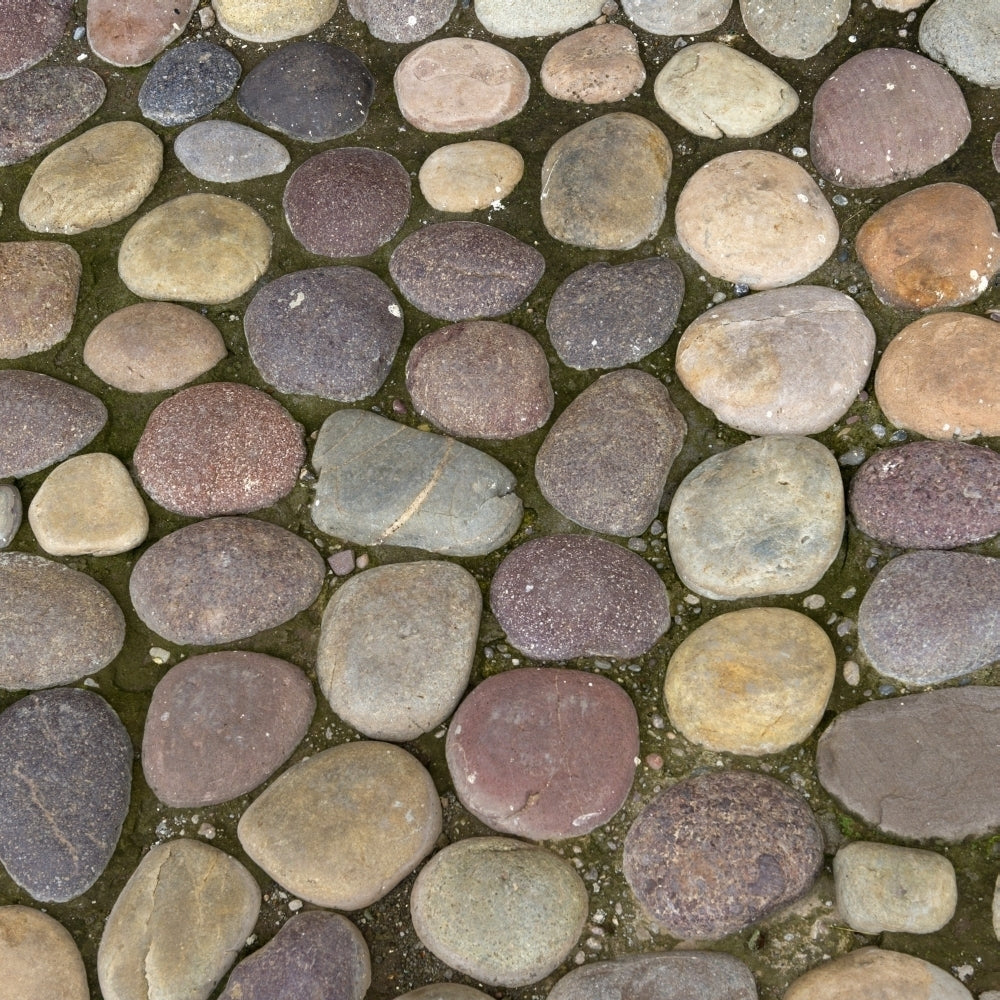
131, 33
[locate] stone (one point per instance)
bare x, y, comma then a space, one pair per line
252, 576
751, 682
565, 596
344, 827
605, 461
714, 90
468, 176
790, 29
756, 218
66, 766
460, 85
899, 5
127, 34
785, 361
996, 151
59, 623
962, 35
604, 184
543, 753
402, 21
886, 115
273, 21
226, 152
499, 910
677, 17
39, 957
347, 202
188, 82
765, 517
93, 180
881, 887
444, 991
220, 724
382, 482
153, 347
480, 378
524, 18
30, 30
611, 315
331, 332
396, 647
598, 65
10, 513
178, 923
465, 270
39, 285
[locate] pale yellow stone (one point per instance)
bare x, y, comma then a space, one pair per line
272, 20
38, 957
467, 176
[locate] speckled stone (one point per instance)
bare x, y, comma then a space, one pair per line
790, 29
10, 513
226, 152
275, 20
677, 17
188, 82
963, 35
31, 29
467, 176
525, 18
126, 34
597, 65
39, 957
402, 20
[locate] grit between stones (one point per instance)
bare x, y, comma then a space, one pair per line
465, 528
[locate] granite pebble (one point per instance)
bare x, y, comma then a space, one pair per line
790, 29
962, 34
468, 176
597, 65
10, 513
30, 30
677, 17
274, 21
136, 34
227, 152
526, 19
402, 21
188, 82
39, 957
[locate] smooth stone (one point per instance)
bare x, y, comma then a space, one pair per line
467, 176
188, 82
594, 66
30, 30
273, 21
765, 517
382, 482
504, 912
460, 85
331, 332
928, 495
10, 513
715, 853
220, 724
402, 21
714, 90
881, 887
544, 753
177, 925
482, 379
444, 991
344, 827
525, 18
604, 184
751, 682
611, 315
901, 6
677, 17
886, 115
963, 35
565, 596
308, 90
347, 202
226, 152
996, 151
756, 218
786, 361
39, 957
396, 647
252, 576
128, 34
605, 461
791, 29
39, 285
66, 761
153, 347
464, 270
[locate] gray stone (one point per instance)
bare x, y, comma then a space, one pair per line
677, 17
593, 66
402, 20
188, 82
39, 957
793, 29
273, 22
525, 18
226, 152
963, 35
30, 30
10, 513
137, 34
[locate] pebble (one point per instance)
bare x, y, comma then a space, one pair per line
604, 184
10, 513
565, 596
899, 5
344, 827
765, 517
544, 753
272, 22
962, 35
137, 35
605, 461
178, 924
714, 90
598, 65
188, 82
347, 202
751, 682
786, 361
526, 19
93, 180
39, 957
226, 152
480, 379
252, 576
714, 854
789, 29
460, 85
66, 761
610, 315
220, 724
402, 21
445, 991
886, 115
677, 17
499, 910
331, 332
30, 30
755, 218
468, 176
396, 647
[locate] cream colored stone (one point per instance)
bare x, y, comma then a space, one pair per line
902, 6
594, 66
39, 958
272, 20
467, 176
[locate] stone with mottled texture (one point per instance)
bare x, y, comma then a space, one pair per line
677, 17
226, 152
30, 30
274, 21
793, 29
39, 957
594, 66
963, 35
402, 20
526, 18
467, 176
444, 991
188, 82
124, 33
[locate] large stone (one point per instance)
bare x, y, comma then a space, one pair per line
39, 957
226, 152
189, 82
963, 35
30, 30
597, 65
793, 29
466, 176
128, 34
402, 20
525, 18
677, 17
275, 20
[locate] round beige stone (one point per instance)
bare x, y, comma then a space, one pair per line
272, 20
597, 65
39, 957
468, 176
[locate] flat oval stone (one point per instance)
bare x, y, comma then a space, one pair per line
677, 17
273, 21
138, 34
66, 761
10, 513
524, 18
402, 20
605, 461
786, 361
565, 596
344, 827
757, 218
480, 378
226, 152
31, 29
597, 65
502, 911
962, 35
792, 30
544, 753
252, 576
765, 517
39, 957
604, 184
396, 647
220, 724
467, 176
716, 853
188, 82
463, 270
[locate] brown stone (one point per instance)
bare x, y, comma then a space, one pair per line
594, 66
39, 957
466, 176
125, 33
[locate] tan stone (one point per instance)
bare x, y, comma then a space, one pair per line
39, 958
593, 66
467, 176
272, 20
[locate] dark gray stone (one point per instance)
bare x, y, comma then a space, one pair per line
188, 82
402, 20
30, 30
226, 152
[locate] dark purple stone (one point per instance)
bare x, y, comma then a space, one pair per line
29, 31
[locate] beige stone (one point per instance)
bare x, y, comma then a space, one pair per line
39, 958
902, 6
594, 66
467, 176
272, 20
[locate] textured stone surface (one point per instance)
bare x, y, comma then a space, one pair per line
10, 513
402, 20
677, 17
594, 66
226, 152
525, 18
963, 35
273, 21
466, 176
444, 991
792, 29
39, 957
188, 82
128, 34
30, 29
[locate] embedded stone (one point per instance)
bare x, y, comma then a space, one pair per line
467, 176
10, 513
677, 17
127, 34
274, 21
525, 19
594, 66
445, 991
790, 29
962, 35
39, 957
402, 20
31, 29
226, 152
188, 82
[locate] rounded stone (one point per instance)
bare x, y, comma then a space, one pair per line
467, 176
594, 66
402, 20
31, 29
525, 18
445, 991
10, 513
39, 957
677, 17
139, 36
188, 82
226, 152
962, 35
275, 20
792, 30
